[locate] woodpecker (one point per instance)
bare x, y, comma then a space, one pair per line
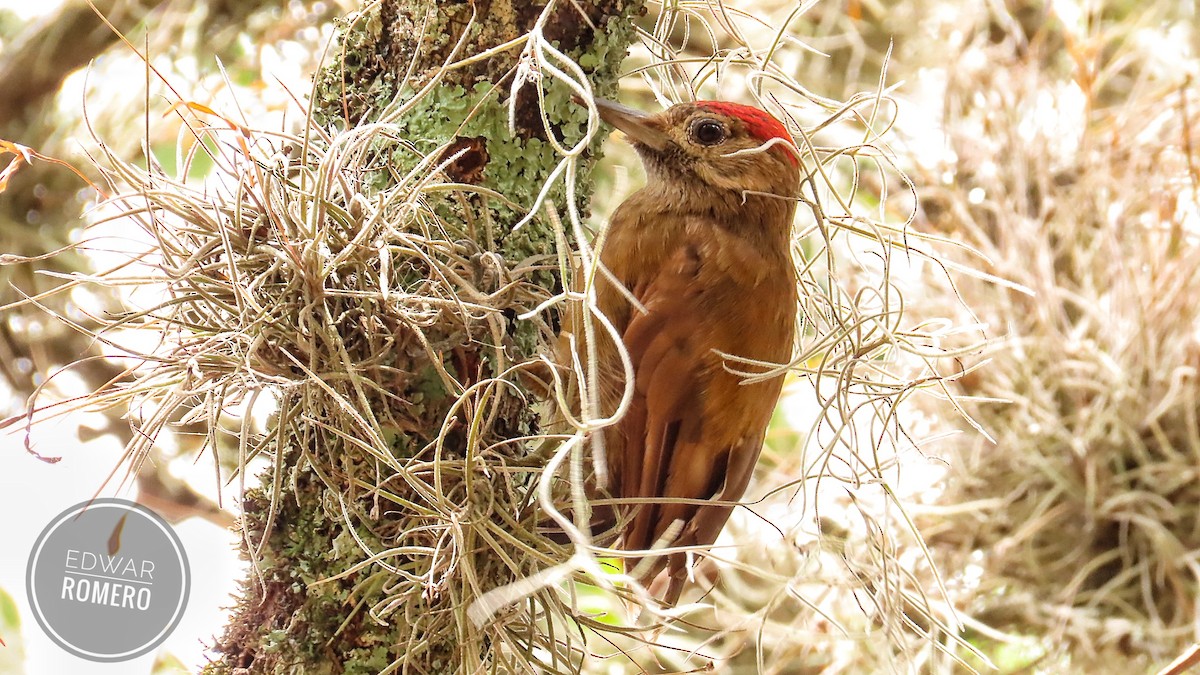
704, 248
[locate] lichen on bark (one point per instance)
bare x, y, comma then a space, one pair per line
316, 602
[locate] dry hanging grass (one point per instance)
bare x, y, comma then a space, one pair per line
1075, 173
361, 284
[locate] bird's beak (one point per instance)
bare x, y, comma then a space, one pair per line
640, 127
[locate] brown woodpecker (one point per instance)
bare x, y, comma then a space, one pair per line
704, 248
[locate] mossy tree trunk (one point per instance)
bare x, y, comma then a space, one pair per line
322, 483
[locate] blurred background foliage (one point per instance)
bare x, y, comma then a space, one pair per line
70, 76
1055, 139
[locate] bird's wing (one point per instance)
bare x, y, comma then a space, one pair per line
669, 447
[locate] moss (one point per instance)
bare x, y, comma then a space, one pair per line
284, 623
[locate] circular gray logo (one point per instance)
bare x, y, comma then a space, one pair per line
108, 580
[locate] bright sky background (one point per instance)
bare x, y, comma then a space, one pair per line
28, 9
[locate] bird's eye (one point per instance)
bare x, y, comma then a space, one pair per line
708, 132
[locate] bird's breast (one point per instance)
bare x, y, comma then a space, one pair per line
731, 291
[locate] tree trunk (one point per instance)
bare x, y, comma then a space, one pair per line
444, 506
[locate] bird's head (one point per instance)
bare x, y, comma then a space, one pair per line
723, 145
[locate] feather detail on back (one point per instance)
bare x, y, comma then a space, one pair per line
693, 430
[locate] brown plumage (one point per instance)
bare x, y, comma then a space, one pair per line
704, 248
